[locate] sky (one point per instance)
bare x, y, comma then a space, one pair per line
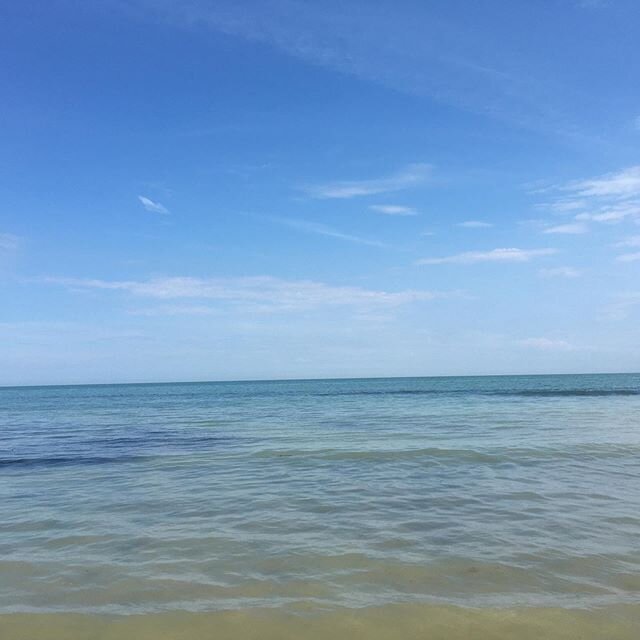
240, 189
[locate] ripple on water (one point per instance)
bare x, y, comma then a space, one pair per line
493, 492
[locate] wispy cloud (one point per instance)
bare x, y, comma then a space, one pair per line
547, 344
422, 52
612, 213
255, 293
474, 224
393, 210
629, 257
495, 255
307, 226
610, 198
560, 272
410, 176
565, 205
151, 205
620, 184
572, 228
8, 242
631, 241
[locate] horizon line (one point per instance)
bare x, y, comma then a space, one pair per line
327, 379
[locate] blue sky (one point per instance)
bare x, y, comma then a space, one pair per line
199, 190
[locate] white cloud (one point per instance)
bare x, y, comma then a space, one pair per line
566, 205
560, 272
620, 184
495, 255
571, 228
612, 213
393, 210
632, 241
323, 230
8, 242
474, 224
610, 198
629, 257
546, 344
256, 292
150, 205
410, 176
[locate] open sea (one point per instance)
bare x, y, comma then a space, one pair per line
470, 507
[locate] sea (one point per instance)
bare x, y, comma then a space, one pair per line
454, 507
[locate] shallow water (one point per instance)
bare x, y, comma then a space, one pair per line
322, 503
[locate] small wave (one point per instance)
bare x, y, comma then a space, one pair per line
468, 455
510, 455
542, 393
164, 439
392, 392
589, 393
57, 461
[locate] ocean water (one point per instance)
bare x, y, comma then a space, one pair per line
418, 507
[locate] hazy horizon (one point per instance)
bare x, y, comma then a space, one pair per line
325, 379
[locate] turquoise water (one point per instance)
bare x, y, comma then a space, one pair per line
486, 492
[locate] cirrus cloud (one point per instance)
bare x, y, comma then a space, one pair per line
617, 184
546, 344
610, 198
572, 228
410, 176
152, 206
632, 241
495, 255
560, 272
393, 210
629, 257
8, 242
474, 224
256, 292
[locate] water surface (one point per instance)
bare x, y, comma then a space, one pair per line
322, 503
